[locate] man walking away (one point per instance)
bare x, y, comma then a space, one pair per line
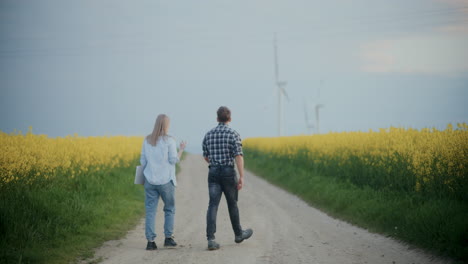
222, 146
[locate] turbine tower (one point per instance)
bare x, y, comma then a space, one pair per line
309, 124
281, 90
317, 108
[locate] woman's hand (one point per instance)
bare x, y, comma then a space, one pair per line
182, 146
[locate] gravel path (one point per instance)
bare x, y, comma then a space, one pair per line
286, 230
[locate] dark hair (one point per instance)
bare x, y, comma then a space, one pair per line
224, 114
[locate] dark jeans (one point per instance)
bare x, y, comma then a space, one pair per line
222, 179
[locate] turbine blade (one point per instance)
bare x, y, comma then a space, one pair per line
275, 59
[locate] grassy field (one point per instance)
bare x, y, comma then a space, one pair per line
62, 197
372, 185
58, 220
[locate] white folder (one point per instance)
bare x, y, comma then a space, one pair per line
139, 177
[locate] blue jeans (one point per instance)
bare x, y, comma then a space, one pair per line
167, 193
222, 179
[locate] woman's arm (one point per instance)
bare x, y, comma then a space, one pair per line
181, 149
175, 156
143, 160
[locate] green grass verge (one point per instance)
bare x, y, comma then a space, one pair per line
436, 224
60, 220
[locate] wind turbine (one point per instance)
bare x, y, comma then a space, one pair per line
281, 90
317, 108
309, 124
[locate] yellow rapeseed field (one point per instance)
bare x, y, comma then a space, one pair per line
38, 156
431, 155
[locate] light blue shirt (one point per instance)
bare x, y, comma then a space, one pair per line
159, 161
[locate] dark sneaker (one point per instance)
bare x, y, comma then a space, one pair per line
169, 242
245, 235
212, 245
151, 246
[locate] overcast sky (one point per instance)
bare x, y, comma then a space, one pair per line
109, 67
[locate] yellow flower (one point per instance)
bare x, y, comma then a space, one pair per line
430, 155
22, 155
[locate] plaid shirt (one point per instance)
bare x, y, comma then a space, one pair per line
221, 145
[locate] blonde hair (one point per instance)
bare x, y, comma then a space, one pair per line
161, 127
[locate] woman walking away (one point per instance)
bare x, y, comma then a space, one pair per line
158, 157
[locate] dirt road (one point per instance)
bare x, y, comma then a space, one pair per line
286, 230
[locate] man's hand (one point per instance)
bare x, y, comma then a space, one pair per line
240, 183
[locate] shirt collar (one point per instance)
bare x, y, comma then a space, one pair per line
222, 124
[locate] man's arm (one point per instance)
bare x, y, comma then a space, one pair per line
240, 168
205, 150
